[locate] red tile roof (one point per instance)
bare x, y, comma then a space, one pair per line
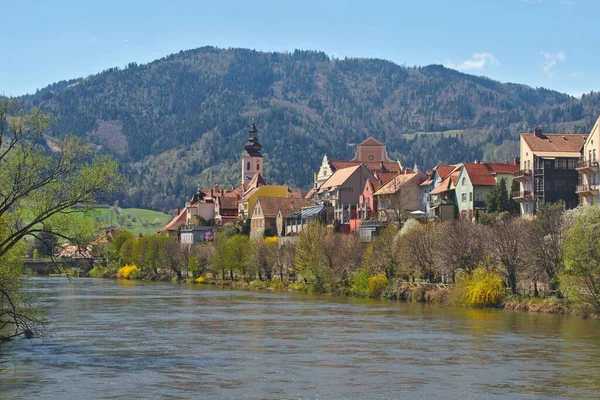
555, 142
175, 222
228, 203
444, 170
385, 166
339, 177
502, 168
480, 174
399, 181
270, 206
371, 141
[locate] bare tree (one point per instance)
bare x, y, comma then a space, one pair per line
505, 241
460, 246
417, 250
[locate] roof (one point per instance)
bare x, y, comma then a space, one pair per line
310, 193
444, 170
480, 174
175, 222
371, 141
502, 168
385, 177
270, 206
426, 182
256, 181
374, 183
555, 142
228, 203
306, 212
399, 181
294, 193
444, 186
375, 166
339, 177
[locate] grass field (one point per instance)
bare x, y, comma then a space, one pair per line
135, 220
451, 133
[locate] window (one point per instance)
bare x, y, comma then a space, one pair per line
464, 196
471, 196
561, 163
248, 166
479, 196
464, 181
258, 166
594, 155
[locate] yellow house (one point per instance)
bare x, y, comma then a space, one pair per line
246, 204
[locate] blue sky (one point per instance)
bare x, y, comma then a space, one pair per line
547, 43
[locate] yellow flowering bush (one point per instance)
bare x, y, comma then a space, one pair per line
377, 284
126, 271
481, 288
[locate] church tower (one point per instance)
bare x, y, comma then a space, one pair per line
252, 159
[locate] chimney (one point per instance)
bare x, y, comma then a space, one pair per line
178, 210
516, 161
538, 132
476, 162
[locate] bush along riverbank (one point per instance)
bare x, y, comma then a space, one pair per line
499, 262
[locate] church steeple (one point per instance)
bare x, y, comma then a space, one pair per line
253, 147
252, 159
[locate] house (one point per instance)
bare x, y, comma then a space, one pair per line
400, 196
548, 169
226, 210
370, 152
172, 227
265, 213
256, 188
476, 180
587, 168
367, 202
441, 198
189, 234
297, 219
342, 190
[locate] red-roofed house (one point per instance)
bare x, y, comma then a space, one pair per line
475, 181
548, 171
400, 196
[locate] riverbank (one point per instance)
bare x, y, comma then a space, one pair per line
398, 290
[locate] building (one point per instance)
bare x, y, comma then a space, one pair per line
400, 196
252, 159
342, 190
226, 210
297, 219
266, 211
371, 153
476, 180
257, 187
189, 234
587, 168
441, 199
548, 169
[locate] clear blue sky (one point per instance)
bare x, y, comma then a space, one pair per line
548, 43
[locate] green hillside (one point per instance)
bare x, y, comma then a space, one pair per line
135, 220
182, 120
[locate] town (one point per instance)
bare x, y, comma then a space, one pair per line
370, 191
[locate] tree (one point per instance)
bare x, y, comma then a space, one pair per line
505, 241
232, 255
503, 199
491, 203
513, 206
582, 256
460, 246
40, 189
417, 250
382, 254
310, 260
544, 243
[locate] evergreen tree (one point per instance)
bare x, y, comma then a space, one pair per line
503, 199
491, 203
513, 206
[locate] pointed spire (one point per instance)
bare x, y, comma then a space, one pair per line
416, 168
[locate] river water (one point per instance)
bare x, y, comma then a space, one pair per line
127, 339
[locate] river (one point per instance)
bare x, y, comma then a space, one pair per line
128, 339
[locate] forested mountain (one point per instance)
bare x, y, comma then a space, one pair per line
182, 120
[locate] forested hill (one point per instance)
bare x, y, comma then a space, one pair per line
182, 120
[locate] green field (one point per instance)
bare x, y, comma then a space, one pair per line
135, 220
452, 133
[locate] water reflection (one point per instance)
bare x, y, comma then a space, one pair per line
114, 339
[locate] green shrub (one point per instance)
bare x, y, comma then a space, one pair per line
257, 284
360, 283
300, 287
377, 284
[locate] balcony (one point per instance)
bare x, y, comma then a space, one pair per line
585, 166
587, 190
522, 195
440, 202
479, 204
522, 174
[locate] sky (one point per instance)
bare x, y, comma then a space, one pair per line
540, 43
